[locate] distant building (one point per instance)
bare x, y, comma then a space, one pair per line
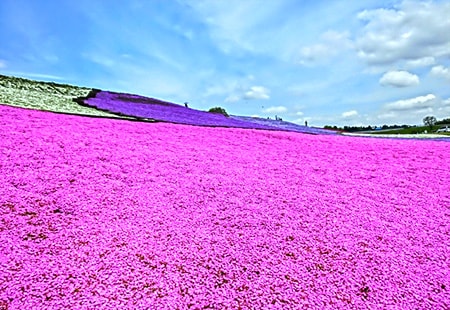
445, 129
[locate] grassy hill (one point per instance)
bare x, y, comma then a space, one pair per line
47, 96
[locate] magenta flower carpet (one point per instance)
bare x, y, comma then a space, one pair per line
112, 214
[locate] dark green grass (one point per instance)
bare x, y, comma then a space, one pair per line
410, 130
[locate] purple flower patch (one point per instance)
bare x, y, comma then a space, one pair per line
154, 109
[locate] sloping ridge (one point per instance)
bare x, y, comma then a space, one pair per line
151, 109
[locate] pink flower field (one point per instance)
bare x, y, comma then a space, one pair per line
111, 214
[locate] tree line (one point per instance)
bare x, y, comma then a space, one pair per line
428, 121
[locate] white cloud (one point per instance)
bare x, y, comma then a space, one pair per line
414, 31
233, 89
2, 64
257, 92
232, 98
350, 114
441, 71
443, 109
331, 44
413, 110
232, 23
238, 92
238, 27
421, 62
417, 103
277, 109
399, 79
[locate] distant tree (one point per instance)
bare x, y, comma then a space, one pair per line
218, 110
445, 121
429, 121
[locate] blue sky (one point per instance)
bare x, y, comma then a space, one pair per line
328, 62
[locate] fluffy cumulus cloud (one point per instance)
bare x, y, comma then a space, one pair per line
417, 103
350, 114
399, 79
413, 110
441, 71
414, 31
250, 93
276, 109
257, 92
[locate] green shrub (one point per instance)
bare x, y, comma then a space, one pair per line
219, 110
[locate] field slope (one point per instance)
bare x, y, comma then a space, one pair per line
102, 213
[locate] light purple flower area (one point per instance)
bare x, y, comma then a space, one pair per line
283, 125
150, 108
112, 214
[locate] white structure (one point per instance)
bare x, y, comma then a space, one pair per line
446, 129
